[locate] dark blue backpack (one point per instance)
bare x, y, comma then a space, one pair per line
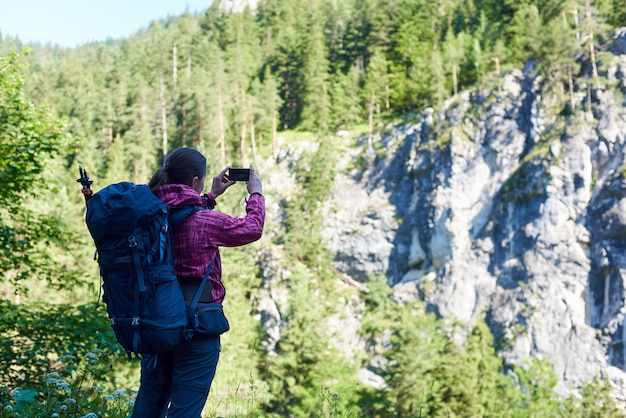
132, 231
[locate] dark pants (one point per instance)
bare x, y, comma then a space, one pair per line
179, 384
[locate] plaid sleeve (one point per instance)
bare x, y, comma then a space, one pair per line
227, 231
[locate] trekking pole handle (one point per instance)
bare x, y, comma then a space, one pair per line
86, 182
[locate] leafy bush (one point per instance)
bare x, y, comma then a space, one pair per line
36, 337
73, 392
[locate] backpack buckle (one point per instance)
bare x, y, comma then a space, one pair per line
132, 242
135, 322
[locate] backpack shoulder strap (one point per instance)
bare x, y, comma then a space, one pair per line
179, 213
196, 298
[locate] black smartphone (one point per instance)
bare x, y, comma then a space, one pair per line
239, 174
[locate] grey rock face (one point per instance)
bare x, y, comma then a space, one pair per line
618, 47
501, 207
489, 208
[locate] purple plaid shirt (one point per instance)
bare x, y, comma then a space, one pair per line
196, 242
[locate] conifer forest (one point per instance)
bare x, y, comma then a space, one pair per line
238, 85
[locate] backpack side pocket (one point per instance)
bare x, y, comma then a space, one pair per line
208, 319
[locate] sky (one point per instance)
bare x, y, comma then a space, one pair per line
69, 23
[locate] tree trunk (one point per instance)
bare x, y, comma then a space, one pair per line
200, 123
575, 13
592, 52
163, 118
184, 120
145, 133
387, 95
244, 123
274, 135
370, 120
571, 86
252, 137
175, 64
454, 81
188, 72
497, 62
222, 135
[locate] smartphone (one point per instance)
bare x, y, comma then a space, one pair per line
239, 174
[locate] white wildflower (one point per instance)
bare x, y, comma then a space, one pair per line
55, 415
92, 358
70, 401
119, 392
90, 415
63, 408
63, 386
109, 398
8, 408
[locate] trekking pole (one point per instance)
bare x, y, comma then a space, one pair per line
84, 180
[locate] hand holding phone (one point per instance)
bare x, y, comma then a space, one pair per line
254, 182
221, 182
239, 174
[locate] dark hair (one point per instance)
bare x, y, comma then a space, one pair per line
180, 167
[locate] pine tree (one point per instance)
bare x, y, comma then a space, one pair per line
213, 102
416, 31
316, 103
437, 83
376, 89
305, 361
303, 238
537, 381
615, 12
267, 109
241, 48
346, 110
525, 34
187, 29
454, 50
283, 25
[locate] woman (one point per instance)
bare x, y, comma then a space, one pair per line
180, 383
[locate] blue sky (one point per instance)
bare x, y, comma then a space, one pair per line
69, 23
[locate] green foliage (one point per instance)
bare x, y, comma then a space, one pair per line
303, 239
72, 391
237, 384
306, 365
537, 381
316, 102
29, 138
428, 374
595, 401
225, 83
195, 80
36, 335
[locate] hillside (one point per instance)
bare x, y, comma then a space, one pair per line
494, 207
444, 186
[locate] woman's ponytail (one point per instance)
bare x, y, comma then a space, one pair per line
159, 179
181, 166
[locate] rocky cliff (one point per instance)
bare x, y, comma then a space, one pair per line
494, 206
